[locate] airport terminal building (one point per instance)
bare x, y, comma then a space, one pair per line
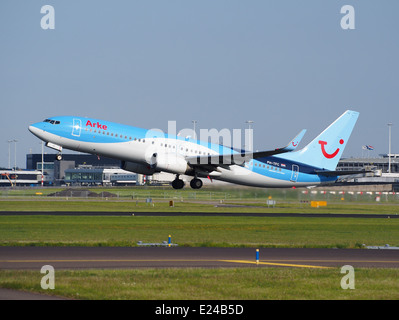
19, 178
84, 169
80, 169
383, 163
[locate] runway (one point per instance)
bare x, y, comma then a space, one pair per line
177, 257
33, 258
199, 214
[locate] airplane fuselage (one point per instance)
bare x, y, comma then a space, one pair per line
137, 148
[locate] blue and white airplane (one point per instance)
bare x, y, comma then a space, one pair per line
150, 151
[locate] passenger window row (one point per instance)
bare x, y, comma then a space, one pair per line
116, 135
267, 167
182, 149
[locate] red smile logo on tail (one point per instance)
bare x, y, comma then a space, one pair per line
329, 155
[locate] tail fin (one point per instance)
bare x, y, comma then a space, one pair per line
326, 149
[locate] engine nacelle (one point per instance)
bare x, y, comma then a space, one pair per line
138, 168
170, 163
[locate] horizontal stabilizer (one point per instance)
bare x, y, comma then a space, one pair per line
340, 173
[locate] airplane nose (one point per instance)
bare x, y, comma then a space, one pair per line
35, 130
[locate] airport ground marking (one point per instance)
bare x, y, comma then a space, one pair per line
107, 260
277, 264
281, 263
160, 260
186, 260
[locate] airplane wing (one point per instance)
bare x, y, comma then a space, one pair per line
239, 158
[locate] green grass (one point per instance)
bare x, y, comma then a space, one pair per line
209, 193
91, 205
222, 231
210, 284
157, 192
130, 199
198, 231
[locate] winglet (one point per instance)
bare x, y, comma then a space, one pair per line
293, 144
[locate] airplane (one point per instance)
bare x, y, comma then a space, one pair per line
150, 151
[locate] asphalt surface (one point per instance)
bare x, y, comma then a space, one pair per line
33, 258
193, 214
9, 294
68, 258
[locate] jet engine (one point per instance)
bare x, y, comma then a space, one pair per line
170, 163
145, 169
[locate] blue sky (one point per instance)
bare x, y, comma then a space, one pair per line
287, 65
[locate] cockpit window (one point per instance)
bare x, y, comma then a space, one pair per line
52, 121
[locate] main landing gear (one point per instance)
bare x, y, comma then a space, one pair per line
196, 183
179, 184
59, 157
